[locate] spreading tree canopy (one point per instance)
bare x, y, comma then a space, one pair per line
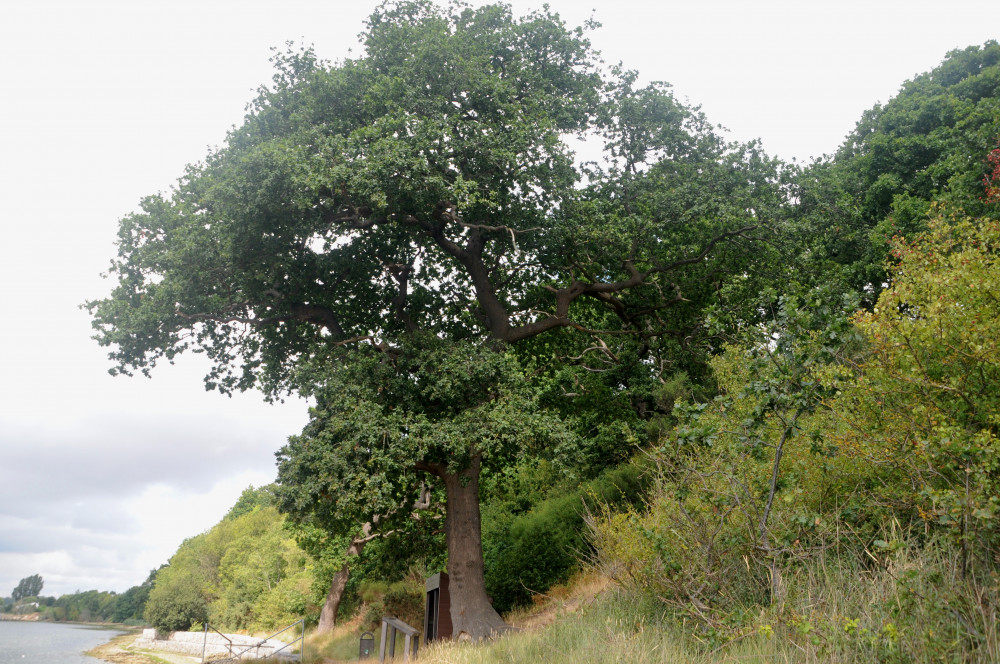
386, 233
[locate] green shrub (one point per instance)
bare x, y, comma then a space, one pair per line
402, 599
176, 603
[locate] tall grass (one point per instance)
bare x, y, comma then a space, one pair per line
616, 627
911, 605
907, 603
342, 644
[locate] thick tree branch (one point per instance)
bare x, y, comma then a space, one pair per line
436, 469
401, 273
604, 291
471, 258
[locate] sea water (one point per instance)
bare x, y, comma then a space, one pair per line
49, 643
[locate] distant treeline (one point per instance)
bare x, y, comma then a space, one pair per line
87, 606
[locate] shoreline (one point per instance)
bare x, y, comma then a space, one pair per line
20, 617
118, 651
37, 617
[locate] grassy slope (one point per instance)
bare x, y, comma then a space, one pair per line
910, 607
588, 622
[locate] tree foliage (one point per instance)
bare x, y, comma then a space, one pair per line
925, 145
379, 423
427, 190
131, 605
925, 406
345, 205
528, 552
861, 443
30, 586
86, 606
428, 185
244, 573
742, 478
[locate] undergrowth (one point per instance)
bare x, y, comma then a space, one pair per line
911, 605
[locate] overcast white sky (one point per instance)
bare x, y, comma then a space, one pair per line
105, 101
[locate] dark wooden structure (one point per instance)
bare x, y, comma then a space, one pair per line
437, 609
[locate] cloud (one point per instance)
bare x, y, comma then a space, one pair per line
113, 541
119, 453
106, 491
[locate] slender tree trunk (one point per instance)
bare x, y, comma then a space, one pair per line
472, 614
328, 616
777, 585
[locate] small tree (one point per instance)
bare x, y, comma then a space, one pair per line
728, 509
927, 402
176, 602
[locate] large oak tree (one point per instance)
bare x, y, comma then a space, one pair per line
384, 231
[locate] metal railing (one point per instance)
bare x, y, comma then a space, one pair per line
389, 628
238, 652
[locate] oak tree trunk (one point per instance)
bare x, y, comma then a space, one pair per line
472, 613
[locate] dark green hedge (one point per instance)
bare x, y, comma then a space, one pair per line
531, 552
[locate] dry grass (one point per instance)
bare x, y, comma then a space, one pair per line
340, 645
559, 602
